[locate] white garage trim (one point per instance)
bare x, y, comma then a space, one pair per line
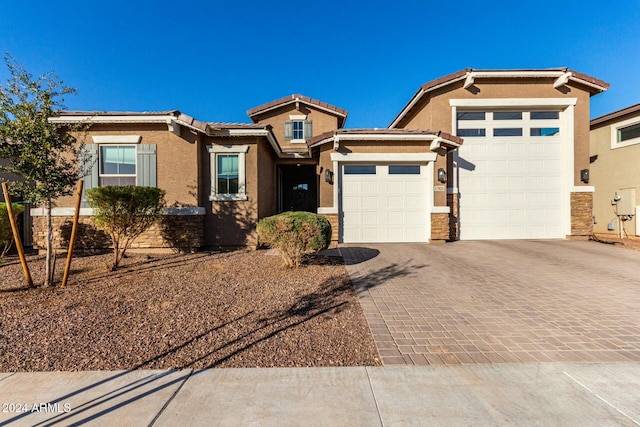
384, 157
513, 102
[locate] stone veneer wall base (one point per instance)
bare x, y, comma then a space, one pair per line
183, 233
581, 216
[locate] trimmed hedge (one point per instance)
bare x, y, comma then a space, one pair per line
125, 213
295, 234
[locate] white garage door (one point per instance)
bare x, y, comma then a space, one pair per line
510, 175
384, 203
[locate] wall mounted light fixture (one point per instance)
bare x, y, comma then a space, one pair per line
328, 176
442, 175
584, 176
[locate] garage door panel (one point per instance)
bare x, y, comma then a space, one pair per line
516, 189
369, 202
369, 187
389, 207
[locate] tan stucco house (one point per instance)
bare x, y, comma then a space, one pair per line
477, 154
615, 155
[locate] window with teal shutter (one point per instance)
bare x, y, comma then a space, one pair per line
288, 130
308, 132
147, 166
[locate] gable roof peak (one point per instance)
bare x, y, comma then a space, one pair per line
299, 98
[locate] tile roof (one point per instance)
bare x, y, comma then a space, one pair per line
222, 125
615, 115
297, 98
500, 73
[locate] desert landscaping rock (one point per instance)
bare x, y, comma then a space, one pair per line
202, 310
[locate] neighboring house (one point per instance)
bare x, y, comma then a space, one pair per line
615, 155
517, 175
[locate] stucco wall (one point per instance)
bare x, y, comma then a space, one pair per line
612, 171
267, 199
231, 223
177, 160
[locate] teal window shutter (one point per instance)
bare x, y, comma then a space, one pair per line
308, 131
288, 130
89, 170
146, 167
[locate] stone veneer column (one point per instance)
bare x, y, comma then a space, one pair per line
439, 228
333, 220
452, 202
581, 215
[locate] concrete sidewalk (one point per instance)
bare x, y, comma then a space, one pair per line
536, 394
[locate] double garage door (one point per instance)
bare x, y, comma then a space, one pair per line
510, 175
384, 203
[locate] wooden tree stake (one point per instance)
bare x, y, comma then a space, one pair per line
16, 236
74, 230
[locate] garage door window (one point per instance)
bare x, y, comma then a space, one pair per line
360, 169
507, 115
507, 132
404, 169
471, 132
545, 115
470, 115
545, 131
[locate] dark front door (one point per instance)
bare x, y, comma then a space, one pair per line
298, 188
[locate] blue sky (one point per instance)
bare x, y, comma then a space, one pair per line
216, 59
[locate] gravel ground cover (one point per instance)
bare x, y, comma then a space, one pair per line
202, 310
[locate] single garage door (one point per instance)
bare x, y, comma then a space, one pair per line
510, 175
384, 203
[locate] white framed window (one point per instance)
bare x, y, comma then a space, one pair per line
625, 133
117, 165
228, 180
298, 129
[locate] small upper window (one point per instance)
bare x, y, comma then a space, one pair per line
629, 132
471, 115
117, 165
507, 115
544, 115
297, 130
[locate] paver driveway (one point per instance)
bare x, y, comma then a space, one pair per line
499, 301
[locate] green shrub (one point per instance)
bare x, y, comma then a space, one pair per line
6, 235
295, 234
125, 213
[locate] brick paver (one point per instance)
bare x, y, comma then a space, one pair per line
499, 301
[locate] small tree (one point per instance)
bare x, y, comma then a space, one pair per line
125, 213
42, 152
295, 234
6, 234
